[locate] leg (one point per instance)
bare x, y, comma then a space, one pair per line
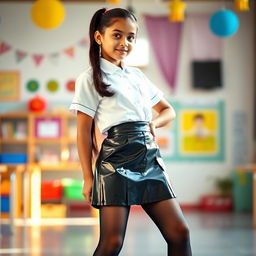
168, 217
113, 222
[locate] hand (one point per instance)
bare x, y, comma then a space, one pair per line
153, 129
87, 190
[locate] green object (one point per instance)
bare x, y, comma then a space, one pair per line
32, 85
242, 191
224, 185
72, 188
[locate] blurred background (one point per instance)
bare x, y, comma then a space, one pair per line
201, 54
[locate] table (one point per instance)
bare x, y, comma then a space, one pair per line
14, 171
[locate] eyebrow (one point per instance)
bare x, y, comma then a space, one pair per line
117, 30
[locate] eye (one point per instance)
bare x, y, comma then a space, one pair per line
117, 35
131, 38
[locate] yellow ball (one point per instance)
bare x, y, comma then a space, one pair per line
48, 14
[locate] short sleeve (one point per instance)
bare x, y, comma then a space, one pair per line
154, 93
86, 98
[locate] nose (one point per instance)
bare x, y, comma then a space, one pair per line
124, 42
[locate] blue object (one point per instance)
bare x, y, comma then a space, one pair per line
224, 23
13, 158
5, 204
242, 191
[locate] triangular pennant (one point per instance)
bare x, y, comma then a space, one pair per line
70, 51
37, 58
84, 42
4, 47
20, 55
54, 57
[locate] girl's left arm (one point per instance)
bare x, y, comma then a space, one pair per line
165, 115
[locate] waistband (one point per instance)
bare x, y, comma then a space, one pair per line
129, 127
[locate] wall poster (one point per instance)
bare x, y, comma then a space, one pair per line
9, 85
197, 133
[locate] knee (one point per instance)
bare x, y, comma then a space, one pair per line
183, 232
114, 244
180, 234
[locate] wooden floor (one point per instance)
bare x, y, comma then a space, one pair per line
212, 234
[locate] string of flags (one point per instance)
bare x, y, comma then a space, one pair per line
38, 58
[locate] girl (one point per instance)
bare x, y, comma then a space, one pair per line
129, 169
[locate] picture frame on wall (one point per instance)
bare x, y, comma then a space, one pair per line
48, 128
196, 134
9, 85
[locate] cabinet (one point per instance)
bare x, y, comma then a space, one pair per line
48, 139
43, 141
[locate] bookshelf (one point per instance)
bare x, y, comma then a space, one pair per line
42, 141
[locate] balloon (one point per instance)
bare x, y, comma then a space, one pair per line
47, 14
37, 104
224, 23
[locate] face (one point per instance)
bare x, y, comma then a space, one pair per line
199, 122
118, 40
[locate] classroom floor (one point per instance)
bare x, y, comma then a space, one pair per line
212, 234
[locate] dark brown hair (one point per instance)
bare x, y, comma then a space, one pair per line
101, 19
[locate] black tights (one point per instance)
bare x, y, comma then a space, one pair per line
166, 215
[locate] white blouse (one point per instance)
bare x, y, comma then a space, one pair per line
135, 95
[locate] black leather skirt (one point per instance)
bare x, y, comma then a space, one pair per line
129, 169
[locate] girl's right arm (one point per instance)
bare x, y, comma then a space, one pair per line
84, 147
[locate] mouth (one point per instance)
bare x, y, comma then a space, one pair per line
122, 51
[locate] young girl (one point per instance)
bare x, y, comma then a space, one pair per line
129, 169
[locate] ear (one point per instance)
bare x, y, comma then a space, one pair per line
98, 37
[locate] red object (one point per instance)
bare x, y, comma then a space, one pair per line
216, 203
37, 104
51, 190
71, 85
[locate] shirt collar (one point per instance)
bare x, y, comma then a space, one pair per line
111, 68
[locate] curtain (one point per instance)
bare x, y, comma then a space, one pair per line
165, 39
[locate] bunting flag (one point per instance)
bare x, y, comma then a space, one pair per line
4, 47
54, 57
84, 42
37, 58
70, 51
20, 55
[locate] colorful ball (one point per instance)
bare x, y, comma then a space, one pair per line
48, 14
37, 104
224, 23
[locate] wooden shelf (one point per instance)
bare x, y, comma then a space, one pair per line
64, 141
13, 141
69, 140
36, 149
11, 115
46, 141
66, 166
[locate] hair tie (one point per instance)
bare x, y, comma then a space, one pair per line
105, 11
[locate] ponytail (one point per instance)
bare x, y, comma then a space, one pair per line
94, 54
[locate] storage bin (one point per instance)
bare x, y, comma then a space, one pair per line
5, 204
242, 191
53, 210
72, 189
216, 203
13, 158
51, 190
